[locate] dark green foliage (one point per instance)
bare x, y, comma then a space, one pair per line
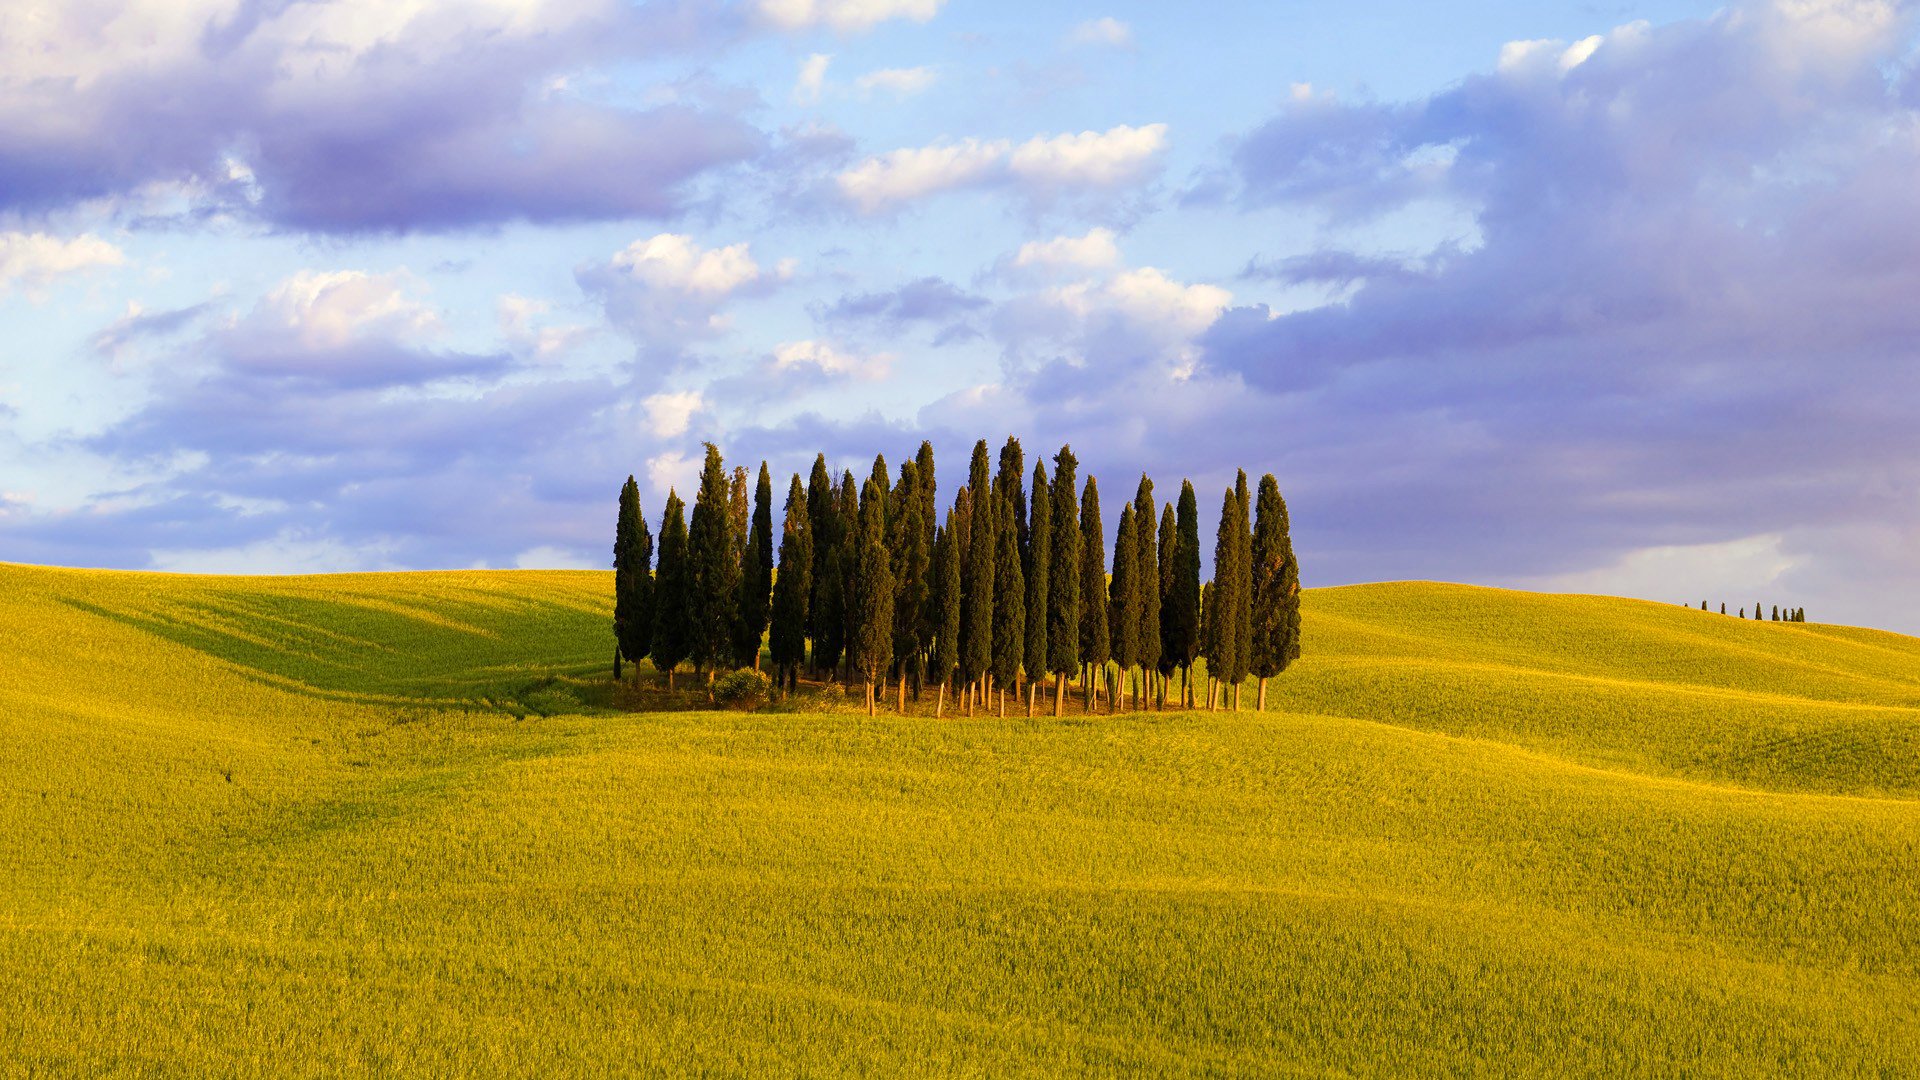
1095, 645
1169, 541
1008, 485
929, 503
976, 612
823, 608
793, 588
673, 623
907, 540
1242, 582
1276, 586
870, 591
883, 483
756, 577
1123, 595
946, 597
1009, 596
1039, 554
632, 577
1146, 561
1063, 578
713, 568
1210, 629
846, 511
1180, 605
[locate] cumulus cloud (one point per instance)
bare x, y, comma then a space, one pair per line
825, 359
670, 415
31, 261
1094, 251
844, 16
812, 79
667, 289
898, 82
1044, 165
355, 115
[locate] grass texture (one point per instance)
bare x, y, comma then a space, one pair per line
384, 825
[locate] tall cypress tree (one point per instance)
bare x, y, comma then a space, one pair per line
846, 510
825, 530
1169, 545
1095, 646
908, 543
945, 654
1210, 644
756, 577
1039, 554
792, 589
929, 613
1009, 599
1242, 587
1123, 600
1147, 567
632, 580
673, 613
1276, 589
976, 634
870, 594
1063, 578
739, 512
1180, 609
882, 482
1221, 626
1009, 484
713, 569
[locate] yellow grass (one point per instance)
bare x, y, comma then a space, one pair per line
382, 824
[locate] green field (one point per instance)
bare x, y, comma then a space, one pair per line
389, 824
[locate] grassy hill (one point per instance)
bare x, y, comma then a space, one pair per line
382, 824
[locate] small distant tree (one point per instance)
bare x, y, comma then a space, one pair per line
945, 655
792, 589
1743, 613
1775, 613
1009, 600
673, 622
632, 581
756, 577
870, 594
1757, 617
1039, 554
1123, 601
1723, 606
1063, 579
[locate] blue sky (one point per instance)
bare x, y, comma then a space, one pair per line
1608, 298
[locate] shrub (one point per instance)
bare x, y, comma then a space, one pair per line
744, 689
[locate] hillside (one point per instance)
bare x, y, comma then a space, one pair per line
380, 823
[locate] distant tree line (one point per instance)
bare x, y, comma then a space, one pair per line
1014, 587
1779, 614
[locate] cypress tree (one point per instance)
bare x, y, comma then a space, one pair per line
1039, 554
908, 543
713, 569
929, 504
1723, 606
1063, 578
1775, 613
792, 589
739, 523
1095, 646
632, 580
673, 614
1276, 589
1147, 587
1242, 587
756, 577
1210, 644
825, 533
870, 594
928, 614
882, 483
1169, 545
946, 593
1009, 485
976, 634
1009, 600
1123, 605
1180, 609
846, 509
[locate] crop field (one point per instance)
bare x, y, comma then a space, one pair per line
404, 825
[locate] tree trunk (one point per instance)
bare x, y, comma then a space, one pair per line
1033, 690
903, 694
1003, 703
940, 705
870, 699
670, 680
1263, 693
1236, 697
972, 685
616, 663
1058, 691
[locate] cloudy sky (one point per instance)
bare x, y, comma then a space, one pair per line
1618, 297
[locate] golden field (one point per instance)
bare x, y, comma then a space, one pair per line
391, 825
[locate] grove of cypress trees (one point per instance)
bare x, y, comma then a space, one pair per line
756, 577
632, 580
713, 569
825, 532
1123, 604
792, 590
907, 541
870, 594
1169, 544
1095, 646
673, 622
976, 634
1180, 608
1276, 590
1147, 587
1009, 600
1039, 554
1063, 578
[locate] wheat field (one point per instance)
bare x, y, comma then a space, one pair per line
396, 825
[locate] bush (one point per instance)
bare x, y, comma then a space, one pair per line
745, 689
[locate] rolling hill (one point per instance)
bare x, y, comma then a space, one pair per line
389, 824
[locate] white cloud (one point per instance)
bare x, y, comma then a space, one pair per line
549, 557
669, 415
1092, 251
672, 261
1099, 158
671, 471
844, 16
515, 315
818, 355
902, 175
667, 289
1734, 571
1131, 318
321, 310
32, 260
812, 79
900, 82
1103, 31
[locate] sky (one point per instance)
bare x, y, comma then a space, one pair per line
1597, 297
